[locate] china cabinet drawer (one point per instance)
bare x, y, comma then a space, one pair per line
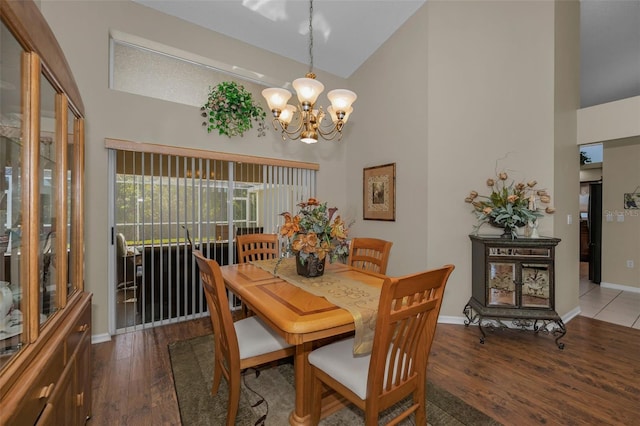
80, 329
40, 381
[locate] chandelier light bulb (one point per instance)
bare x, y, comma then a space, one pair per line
341, 99
334, 116
287, 115
309, 137
277, 98
308, 90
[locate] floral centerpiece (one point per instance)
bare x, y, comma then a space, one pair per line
509, 205
231, 110
315, 234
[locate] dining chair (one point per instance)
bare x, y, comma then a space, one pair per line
256, 247
370, 254
397, 365
238, 345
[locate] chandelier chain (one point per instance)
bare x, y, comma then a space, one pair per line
306, 121
311, 36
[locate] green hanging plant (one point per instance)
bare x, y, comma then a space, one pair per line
231, 110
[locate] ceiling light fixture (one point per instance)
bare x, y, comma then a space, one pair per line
308, 124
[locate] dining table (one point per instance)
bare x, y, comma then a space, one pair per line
294, 308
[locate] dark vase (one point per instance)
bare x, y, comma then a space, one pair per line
509, 229
312, 267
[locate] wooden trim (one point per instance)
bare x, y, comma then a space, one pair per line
143, 147
78, 194
27, 24
30, 202
61, 198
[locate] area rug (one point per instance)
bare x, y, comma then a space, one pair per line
192, 366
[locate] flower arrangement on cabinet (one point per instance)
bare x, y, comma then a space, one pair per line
510, 205
231, 110
315, 231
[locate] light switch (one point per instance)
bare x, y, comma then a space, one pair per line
620, 217
609, 217
569, 219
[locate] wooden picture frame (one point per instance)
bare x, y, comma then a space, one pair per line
632, 200
379, 192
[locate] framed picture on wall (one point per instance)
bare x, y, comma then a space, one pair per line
632, 200
379, 192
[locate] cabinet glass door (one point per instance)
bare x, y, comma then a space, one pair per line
535, 286
13, 308
49, 201
72, 285
501, 284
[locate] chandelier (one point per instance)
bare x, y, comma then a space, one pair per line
304, 121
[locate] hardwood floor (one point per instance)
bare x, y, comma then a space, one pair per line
518, 378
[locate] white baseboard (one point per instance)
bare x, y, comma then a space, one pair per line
100, 338
620, 287
451, 320
571, 314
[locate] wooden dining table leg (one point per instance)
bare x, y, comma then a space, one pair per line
301, 415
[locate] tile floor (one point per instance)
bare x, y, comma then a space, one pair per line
606, 304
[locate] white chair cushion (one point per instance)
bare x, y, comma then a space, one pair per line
256, 338
338, 361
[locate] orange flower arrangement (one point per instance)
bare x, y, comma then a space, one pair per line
315, 231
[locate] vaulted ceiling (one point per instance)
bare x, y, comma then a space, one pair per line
347, 32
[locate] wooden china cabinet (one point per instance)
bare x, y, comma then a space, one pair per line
514, 279
45, 314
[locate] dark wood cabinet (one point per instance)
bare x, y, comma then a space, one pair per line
514, 279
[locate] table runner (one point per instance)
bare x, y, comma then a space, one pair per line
360, 299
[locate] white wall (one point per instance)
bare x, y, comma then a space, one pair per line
473, 86
461, 86
621, 236
613, 120
82, 29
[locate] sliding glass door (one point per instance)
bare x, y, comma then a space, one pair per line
167, 204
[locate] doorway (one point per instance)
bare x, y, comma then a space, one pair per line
591, 157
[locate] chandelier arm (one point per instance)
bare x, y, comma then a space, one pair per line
288, 132
331, 128
328, 134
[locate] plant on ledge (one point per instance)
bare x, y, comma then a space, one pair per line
509, 205
315, 232
231, 110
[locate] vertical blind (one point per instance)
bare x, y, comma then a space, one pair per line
169, 201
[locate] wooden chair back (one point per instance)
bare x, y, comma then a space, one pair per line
258, 345
224, 333
405, 326
256, 247
369, 254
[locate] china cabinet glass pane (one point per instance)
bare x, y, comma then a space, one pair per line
12, 307
502, 289
49, 203
535, 286
72, 286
